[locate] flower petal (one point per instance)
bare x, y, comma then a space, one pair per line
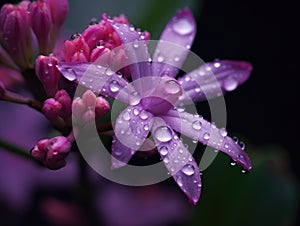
174, 44
178, 160
99, 79
196, 127
136, 50
131, 129
213, 78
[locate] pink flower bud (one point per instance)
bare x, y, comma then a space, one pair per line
89, 107
101, 108
48, 74
93, 34
52, 108
66, 103
59, 10
41, 24
78, 107
52, 152
76, 50
58, 149
15, 33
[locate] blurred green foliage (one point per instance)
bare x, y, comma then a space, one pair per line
267, 196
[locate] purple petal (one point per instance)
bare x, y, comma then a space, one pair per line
174, 44
211, 79
196, 127
131, 129
99, 79
178, 160
136, 50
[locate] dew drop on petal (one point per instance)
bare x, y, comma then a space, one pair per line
143, 115
146, 127
206, 136
223, 132
126, 116
232, 162
135, 45
163, 134
242, 145
114, 86
163, 151
166, 160
180, 150
172, 87
196, 125
230, 84
71, 75
188, 170
160, 58
136, 111
182, 27
179, 181
109, 72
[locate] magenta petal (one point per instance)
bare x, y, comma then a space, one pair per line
131, 129
178, 160
211, 79
136, 50
208, 134
174, 44
99, 79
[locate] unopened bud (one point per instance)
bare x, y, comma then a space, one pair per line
48, 74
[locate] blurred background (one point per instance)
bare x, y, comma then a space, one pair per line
261, 112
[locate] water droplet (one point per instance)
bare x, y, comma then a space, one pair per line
71, 75
163, 150
114, 86
135, 45
183, 27
230, 84
134, 99
160, 58
172, 87
146, 127
206, 136
163, 134
232, 162
223, 132
126, 116
166, 160
197, 125
242, 145
235, 139
226, 145
131, 27
93, 21
180, 109
180, 150
179, 181
176, 59
143, 115
109, 72
197, 90
217, 65
136, 111
188, 169
244, 171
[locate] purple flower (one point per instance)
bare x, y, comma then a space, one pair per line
154, 98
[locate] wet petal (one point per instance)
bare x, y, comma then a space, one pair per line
136, 50
174, 44
99, 79
131, 129
211, 79
196, 127
178, 160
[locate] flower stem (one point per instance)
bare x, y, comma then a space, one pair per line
19, 99
14, 149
